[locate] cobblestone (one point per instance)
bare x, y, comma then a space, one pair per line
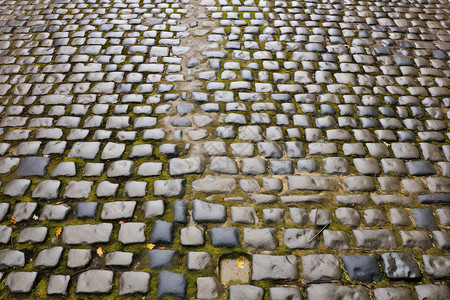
160, 148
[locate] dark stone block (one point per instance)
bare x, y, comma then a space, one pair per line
434, 198
160, 258
33, 166
86, 209
423, 217
225, 237
420, 168
171, 284
161, 232
362, 268
180, 211
406, 136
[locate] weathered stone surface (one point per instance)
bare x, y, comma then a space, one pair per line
284, 292
57, 284
313, 183
118, 210
432, 291
392, 293
95, 281
375, 239
208, 288
11, 258
335, 292
78, 258
191, 165
437, 266
245, 292
168, 188
264, 238
320, 267
300, 238
399, 266
20, 282
214, 185
86, 234
48, 258
134, 282
208, 212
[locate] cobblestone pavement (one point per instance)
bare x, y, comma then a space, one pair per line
225, 149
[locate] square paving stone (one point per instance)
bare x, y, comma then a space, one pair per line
321, 267
118, 210
46, 189
86, 209
392, 293
153, 208
32, 235
78, 189
161, 232
16, 187
225, 237
119, 258
400, 266
23, 211
57, 284
78, 258
95, 281
48, 258
180, 211
33, 166
134, 282
362, 268
11, 258
198, 260
208, 288
132, 232
20, 282
158, 258
283, 293
54, 212
424, 218
171, 284
246, 292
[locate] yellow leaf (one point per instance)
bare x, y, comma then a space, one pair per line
59, 202
14, 221
161, 248
58, 231
100, 251
240, 262
150, 246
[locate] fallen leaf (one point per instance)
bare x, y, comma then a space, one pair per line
58, 231
161, 248
35, 217
150, 246
59, 202
14, 221
100, 251
240, 262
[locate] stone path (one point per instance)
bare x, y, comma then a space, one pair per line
225, 149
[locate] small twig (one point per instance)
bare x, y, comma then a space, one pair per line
323, 228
